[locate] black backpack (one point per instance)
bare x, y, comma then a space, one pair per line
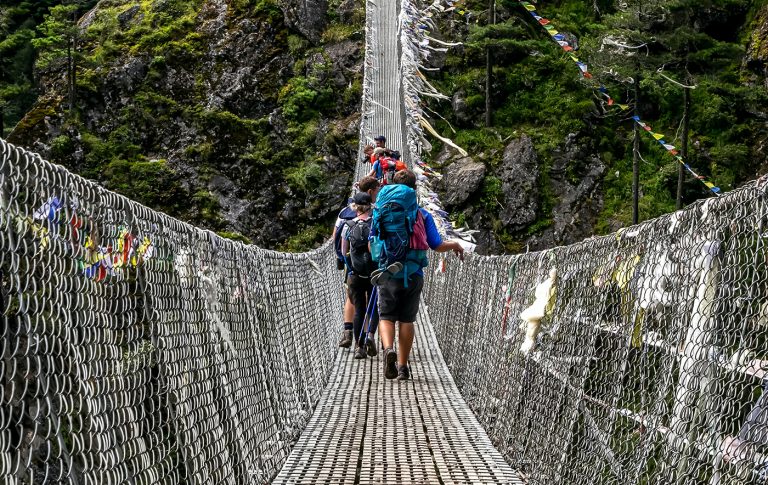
359, 257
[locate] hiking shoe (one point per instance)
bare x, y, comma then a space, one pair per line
390, 363
346, 339
360, 353
370, 346
375, 275
403, 373
381, 276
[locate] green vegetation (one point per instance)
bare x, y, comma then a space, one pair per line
537, 91
144, 113
308, 236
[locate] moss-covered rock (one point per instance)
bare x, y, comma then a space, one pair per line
196, 108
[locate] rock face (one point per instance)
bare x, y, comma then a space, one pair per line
306, 16
756, 59
212, 105
519, 174
460, 180
575, 176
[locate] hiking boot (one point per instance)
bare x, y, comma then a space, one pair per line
403, 373
381, 276
390, 363
370, 346
359, 353
346, 339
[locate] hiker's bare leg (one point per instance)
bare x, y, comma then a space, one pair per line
349, 310
387, 333
407, 332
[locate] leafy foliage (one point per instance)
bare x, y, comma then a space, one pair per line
538, 91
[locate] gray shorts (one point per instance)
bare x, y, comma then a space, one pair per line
398, 303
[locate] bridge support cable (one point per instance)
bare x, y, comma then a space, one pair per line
139, 349
648, 360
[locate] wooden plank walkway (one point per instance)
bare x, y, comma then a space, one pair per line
370, 430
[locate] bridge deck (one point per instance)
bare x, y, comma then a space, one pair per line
369, 430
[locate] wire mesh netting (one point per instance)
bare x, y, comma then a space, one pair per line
139, 349
634, 358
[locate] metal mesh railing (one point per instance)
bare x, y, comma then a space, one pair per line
634, 358
139, 349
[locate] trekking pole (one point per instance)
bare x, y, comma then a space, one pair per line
368, 314
375, 298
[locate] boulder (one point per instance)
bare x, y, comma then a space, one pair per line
460, 180
306, 17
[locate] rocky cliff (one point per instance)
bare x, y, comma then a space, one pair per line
240, 116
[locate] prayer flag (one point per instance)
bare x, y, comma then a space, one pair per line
658, 136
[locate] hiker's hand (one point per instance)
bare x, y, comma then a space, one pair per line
458, 250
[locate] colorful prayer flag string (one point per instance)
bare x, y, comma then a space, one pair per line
673, 151
559, 39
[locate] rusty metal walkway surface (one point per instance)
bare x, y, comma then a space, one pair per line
370, 430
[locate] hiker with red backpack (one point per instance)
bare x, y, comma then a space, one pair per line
354, 245
383, 166
401, 234
370, 186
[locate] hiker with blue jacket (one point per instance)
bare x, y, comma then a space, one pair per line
401, 233
354, 245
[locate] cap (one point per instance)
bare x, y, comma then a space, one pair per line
362, 198
380, 151
380, 138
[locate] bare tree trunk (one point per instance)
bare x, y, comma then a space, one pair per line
684, 147
489, 68
69, 74
636, 156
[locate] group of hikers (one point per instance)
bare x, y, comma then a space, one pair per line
381, 241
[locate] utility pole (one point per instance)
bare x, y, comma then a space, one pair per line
636, 154
489, 67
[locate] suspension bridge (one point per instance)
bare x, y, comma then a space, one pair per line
139, 349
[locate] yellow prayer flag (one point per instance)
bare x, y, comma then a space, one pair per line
658, 136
